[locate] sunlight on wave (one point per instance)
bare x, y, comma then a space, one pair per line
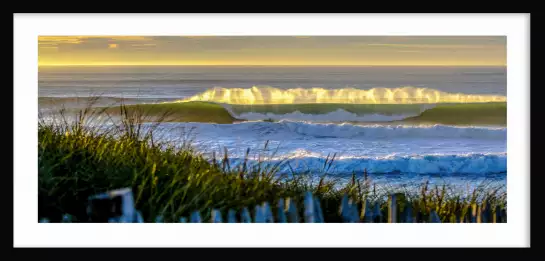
403, 95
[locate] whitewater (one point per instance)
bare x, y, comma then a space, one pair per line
304, 137
379, 149
378, 95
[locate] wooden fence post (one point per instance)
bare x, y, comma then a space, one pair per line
367, 212
474, 213
287, 211
116, 206
344, 210
392, 209
267, 212
245, 216
434, 218
159, 219
139, 217
354, 217
259, 216
195, 217
408, 213
280, 211
318, 211
67, 218
293, 216
231, 216
215, 216
309, 208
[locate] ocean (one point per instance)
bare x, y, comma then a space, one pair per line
365, 116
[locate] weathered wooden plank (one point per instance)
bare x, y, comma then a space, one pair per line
267, 212
116, 206
159, 219
474, 213
288, 212
378, 213
231, 216
259, 215
245, 216
434, 218
280, 211
392, 209
345, 210
367, 214
318, 211
215, 216
354, 217
309, 208
293, 216
408, 213
67, 218
139, 217
195, 217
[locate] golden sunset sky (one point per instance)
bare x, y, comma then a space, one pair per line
272, 50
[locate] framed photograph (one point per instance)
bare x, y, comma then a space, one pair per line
397, 124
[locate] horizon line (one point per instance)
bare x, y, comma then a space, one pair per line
280, 65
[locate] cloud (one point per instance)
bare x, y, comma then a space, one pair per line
58, 40
407, 51
237, 49
143, 45
90, 43
431, 46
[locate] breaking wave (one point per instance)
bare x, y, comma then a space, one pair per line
492, 163
283, 129
403, 95
372, 132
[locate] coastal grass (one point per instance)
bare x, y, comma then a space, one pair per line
80, 157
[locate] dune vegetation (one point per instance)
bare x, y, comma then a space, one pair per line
77, 158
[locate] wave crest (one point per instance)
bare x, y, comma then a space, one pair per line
403, 95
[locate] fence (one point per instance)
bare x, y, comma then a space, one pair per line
118, 207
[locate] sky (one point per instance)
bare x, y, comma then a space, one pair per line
273, 50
